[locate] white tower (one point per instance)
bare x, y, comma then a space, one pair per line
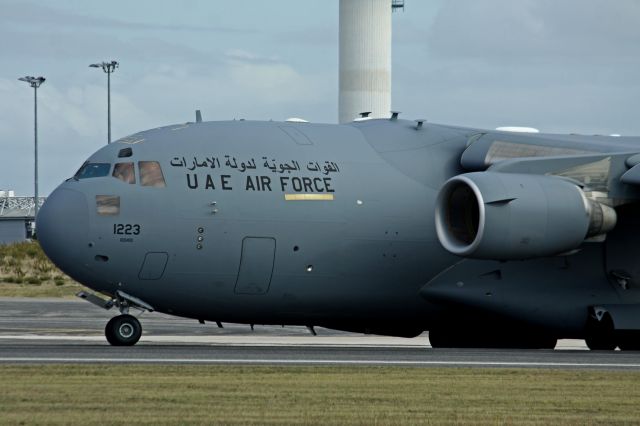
365, 58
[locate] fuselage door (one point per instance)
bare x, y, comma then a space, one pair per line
256, 265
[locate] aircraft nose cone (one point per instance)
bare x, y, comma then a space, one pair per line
62, 228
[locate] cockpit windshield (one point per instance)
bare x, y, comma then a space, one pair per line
151, 174
92, 170
125, 172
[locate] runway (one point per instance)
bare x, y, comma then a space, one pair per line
71, 331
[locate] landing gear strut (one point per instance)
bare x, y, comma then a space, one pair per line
124, 329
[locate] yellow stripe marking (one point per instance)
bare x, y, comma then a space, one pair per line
308, 197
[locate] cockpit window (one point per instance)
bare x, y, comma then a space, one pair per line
108, 205
93, 170
151, 174
125, 172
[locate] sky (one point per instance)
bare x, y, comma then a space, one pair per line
565, 66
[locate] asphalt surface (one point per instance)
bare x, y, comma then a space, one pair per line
71, 331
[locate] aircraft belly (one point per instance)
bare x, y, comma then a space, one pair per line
553, 293
622, 262
321, 270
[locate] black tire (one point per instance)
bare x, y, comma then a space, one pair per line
123, 330
600, 334
439, 338
600, 342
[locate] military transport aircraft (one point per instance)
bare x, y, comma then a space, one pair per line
485, 238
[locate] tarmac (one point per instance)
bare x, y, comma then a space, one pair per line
48, 331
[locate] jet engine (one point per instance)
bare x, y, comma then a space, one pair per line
503, 216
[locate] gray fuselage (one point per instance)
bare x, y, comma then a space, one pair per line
277, 223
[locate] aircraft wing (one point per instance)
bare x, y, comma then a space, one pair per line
606, 168
485, 149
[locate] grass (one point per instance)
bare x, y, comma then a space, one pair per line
167, 394
25, 271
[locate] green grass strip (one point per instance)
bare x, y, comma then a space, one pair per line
169, 394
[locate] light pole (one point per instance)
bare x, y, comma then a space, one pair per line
107, 67
35, 82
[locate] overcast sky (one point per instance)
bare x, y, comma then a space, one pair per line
558, 65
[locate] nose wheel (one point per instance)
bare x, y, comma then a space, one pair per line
123, 330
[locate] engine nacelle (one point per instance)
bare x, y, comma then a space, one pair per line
502, 216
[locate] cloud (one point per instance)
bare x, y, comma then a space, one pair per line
310, 36
253, 87
530, 30
239, 56
568, 66
66, 44
32, 15
71, 125
72, 116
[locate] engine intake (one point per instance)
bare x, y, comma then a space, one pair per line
502, 216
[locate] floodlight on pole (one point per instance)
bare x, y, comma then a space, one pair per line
108, 68
35, 82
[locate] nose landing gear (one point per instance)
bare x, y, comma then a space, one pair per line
124, 329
